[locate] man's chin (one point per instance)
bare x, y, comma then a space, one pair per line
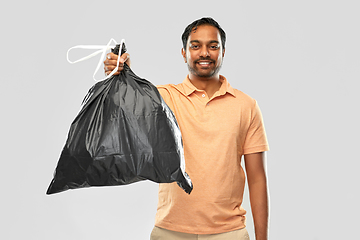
206, 74
203, 74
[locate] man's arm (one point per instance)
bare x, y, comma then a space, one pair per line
255, 165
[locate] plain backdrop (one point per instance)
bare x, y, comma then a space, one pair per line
298, 59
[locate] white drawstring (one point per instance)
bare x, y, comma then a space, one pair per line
102, 49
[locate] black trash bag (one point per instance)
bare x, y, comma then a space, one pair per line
124, 133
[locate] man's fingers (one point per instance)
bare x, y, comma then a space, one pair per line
111, 59
112, 56
111, 62
125, 57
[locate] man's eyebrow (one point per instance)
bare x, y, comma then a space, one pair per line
197, 41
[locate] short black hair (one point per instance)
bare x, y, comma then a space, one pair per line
203, 21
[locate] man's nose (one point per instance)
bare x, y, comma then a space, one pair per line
204, 52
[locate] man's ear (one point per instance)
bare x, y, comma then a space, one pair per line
183, 53
223, 54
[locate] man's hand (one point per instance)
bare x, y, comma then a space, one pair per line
111, 60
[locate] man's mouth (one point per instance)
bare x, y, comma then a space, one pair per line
204, 63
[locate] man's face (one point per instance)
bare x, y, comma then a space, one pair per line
204, 52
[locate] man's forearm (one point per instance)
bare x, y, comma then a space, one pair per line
259, 200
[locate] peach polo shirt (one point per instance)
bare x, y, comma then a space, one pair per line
216, 133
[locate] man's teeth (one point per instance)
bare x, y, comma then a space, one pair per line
204, 63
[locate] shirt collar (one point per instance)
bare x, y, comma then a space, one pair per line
189, 88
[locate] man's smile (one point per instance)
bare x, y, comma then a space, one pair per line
204, 63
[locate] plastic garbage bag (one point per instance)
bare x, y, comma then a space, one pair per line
124, 133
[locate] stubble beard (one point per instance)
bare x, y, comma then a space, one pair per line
196, 72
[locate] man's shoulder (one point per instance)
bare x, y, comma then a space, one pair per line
238, 94
168, 91
165, 86
241, 96
171, 87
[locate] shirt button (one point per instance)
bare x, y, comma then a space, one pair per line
203, 95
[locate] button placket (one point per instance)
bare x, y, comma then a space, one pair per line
206, 100
202, 96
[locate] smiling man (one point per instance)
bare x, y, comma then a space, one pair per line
219, 125
204, 53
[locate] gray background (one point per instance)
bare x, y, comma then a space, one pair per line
299, 59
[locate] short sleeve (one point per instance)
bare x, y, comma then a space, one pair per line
256, 140
165, 94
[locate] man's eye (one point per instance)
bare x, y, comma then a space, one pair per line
214, 47
194, 46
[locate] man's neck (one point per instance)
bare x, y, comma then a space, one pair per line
209, 85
